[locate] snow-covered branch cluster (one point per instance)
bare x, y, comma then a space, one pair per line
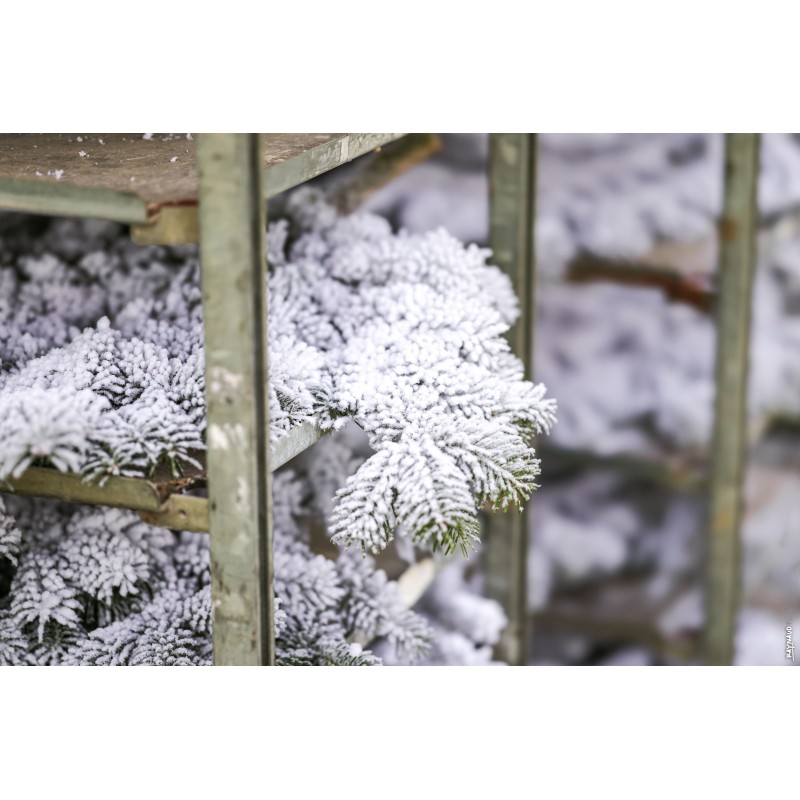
401, 333
108, 400
411, 331
465, 624
633, 371
99, 586
102, 374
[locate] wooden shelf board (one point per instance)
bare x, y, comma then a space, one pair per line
130, 179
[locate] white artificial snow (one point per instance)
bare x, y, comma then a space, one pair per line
465, 625
600, 527
633, 371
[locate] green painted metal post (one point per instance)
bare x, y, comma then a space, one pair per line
512, 187
232, 231
738, 231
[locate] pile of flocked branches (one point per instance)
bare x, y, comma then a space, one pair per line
102, 374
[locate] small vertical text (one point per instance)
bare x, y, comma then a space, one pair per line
789, 641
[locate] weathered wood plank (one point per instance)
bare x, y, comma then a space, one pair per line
616, 628
232, 232
71, 201
416, 580
130, 179
512, 186
738, 230
684, 474
325, 156
170, 226
180, 513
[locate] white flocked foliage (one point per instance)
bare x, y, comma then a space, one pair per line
101, 373
100, 587
410, 328
401, 333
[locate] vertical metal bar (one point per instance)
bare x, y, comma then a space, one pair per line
738, 230
512, 188
232, 231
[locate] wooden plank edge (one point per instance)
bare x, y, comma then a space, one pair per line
416, 580
158, 503
597, 627
173, 224
675, 473
53, 198
322, 158
294, 442
180, 512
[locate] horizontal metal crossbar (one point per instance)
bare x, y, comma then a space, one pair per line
159, 502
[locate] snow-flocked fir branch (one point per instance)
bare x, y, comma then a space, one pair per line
412, 328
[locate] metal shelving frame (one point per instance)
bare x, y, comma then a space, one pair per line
731, 300
214, 191
173, 190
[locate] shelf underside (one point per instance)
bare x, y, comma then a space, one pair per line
151, 183
158, 500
